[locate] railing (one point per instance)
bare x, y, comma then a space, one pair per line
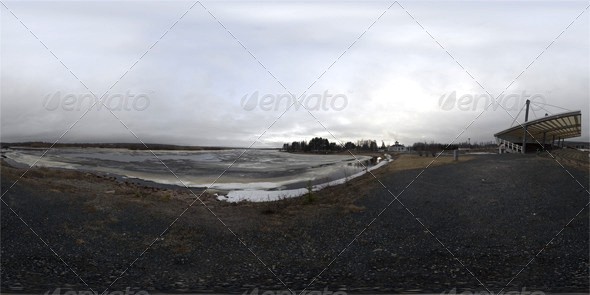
509, 147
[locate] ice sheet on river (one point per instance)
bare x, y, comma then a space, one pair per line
266, 195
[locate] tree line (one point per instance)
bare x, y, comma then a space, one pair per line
319, 144
323, 145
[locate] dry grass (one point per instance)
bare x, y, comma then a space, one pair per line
570, 157
345, 195
410, 161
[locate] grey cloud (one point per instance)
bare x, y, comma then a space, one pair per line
197, 74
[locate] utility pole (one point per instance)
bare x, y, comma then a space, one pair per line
526, 119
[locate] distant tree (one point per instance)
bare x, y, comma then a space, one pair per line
373, 146
304, 146
318, 144
349, 146
334, 146
322, 145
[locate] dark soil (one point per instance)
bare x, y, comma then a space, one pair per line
483, 223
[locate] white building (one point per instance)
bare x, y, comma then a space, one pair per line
400, 148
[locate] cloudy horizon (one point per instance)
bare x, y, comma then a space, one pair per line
220, 74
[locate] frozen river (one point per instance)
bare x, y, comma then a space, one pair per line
253, 171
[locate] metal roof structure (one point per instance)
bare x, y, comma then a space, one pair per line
559, 126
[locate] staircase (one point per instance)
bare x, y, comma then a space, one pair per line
508, 147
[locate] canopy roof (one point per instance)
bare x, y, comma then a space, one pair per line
565, 125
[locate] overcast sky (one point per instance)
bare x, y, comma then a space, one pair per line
202, 85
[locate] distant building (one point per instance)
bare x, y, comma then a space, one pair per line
399, 148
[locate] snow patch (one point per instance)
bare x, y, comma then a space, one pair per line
268, 195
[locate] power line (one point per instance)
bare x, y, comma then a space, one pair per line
535, 114
543, 109
552, 106
516, 117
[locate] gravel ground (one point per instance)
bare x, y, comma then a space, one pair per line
483, 223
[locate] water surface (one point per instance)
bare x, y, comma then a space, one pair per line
230, 169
